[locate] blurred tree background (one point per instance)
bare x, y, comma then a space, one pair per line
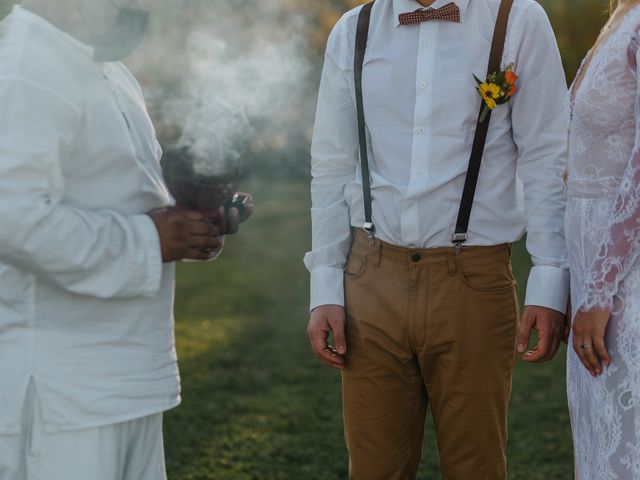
162, 72
256, 404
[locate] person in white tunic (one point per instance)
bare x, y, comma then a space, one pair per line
87, 356
603, 235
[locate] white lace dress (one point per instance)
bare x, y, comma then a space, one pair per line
603, 235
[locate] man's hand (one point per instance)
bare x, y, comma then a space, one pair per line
550, 326
229, 219
589, 329
185, 234
324, 321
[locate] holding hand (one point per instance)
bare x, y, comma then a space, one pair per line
589, 329
551, 330
235, 212
185, 234
324, 321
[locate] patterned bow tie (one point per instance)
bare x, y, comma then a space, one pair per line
449, 13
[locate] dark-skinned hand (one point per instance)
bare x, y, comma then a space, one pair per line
185, 234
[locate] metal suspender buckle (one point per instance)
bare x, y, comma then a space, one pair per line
458, 240
370, 228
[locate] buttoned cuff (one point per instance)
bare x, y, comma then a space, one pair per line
548, 287
327, 287
151, 272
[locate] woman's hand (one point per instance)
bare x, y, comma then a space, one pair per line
589, 329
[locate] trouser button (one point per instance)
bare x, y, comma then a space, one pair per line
416, 257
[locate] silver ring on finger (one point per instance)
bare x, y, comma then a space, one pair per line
586, 346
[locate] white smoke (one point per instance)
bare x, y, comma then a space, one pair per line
229, 96
242, 72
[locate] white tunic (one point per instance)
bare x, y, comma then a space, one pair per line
85, 301
421, 108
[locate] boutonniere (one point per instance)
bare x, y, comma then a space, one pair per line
497, 89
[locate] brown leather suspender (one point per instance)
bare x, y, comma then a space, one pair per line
361, 47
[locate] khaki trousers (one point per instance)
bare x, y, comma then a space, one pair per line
428, 328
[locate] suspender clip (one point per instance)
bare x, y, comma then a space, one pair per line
458, 240
370, 228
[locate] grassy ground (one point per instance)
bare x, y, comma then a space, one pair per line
256, 403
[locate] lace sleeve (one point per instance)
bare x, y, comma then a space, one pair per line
621, 243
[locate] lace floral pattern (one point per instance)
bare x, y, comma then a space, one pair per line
603, 236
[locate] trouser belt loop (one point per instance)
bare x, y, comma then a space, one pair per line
451, 262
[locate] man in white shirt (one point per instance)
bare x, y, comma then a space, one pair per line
87, 245
428, 324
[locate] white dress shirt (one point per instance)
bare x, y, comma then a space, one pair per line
421, 109
85, 300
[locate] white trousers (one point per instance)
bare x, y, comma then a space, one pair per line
124, 451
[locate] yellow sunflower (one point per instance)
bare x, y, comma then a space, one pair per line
490, 93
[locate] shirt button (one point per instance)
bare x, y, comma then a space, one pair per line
416, 258
423, 85
419, 130
427, 42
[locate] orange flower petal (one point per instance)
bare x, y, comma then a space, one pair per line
510, 77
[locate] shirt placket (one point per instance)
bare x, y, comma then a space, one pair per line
422, 133
117, 100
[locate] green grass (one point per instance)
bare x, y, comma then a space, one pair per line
257, 405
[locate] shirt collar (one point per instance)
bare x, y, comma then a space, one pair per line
29, 16
406, 6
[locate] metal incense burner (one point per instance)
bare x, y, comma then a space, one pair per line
196, 191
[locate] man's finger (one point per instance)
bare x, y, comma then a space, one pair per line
331, 359
339, 338
233, 220
318, 341
197, 254
204, 228
524, 335
221, 220
204, 243
193, 215
531, 356
321, 350
544, 344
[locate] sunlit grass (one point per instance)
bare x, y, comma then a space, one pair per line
257, 405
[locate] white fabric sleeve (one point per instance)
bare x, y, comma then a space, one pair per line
620, 248
334, 155
96, 253
540, 134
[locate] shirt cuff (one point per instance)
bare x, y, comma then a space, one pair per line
327, 287
151, 274
548, 287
